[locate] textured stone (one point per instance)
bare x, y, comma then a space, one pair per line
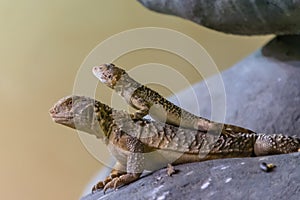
239, 178
235, 16
263, 94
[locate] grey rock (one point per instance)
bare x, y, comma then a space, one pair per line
235, 16
239, 178
263, 94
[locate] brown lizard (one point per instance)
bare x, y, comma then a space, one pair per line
145, 99
141, 144
148, 101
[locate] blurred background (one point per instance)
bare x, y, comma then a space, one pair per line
43, 44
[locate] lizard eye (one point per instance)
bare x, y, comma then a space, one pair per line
109, 76
69, 103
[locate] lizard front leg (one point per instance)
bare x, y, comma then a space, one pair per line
139, 114
141, 105
135, 165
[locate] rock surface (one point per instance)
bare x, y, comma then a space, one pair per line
235, 16
217, 179
263, 94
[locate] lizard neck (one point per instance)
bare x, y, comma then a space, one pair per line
126, 86
104, 115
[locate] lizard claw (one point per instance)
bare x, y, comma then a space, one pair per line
102, 185
98, 186
113, 184
116, 182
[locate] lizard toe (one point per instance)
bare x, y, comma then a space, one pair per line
110, 185
117, 184
98, 186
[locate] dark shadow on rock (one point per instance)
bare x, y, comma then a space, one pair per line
235, 16
284, 48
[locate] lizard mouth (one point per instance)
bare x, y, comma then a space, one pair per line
64, 120
61, 118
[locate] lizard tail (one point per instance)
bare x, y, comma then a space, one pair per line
275, 144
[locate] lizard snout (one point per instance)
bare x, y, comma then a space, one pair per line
97, 69
98, 72
52, 111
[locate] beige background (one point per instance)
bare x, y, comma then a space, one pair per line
42, 45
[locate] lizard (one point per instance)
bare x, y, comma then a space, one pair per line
148, 101
142, 144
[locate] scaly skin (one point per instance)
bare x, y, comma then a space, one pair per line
140, 144
143, 99
148, 101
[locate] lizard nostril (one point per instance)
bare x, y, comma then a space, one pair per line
95, 69
52, 111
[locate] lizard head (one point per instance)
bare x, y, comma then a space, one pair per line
77, 112
108, 74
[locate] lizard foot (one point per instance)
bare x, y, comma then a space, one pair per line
137, 115
133, 116
122, 180
170, 170
101, 184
